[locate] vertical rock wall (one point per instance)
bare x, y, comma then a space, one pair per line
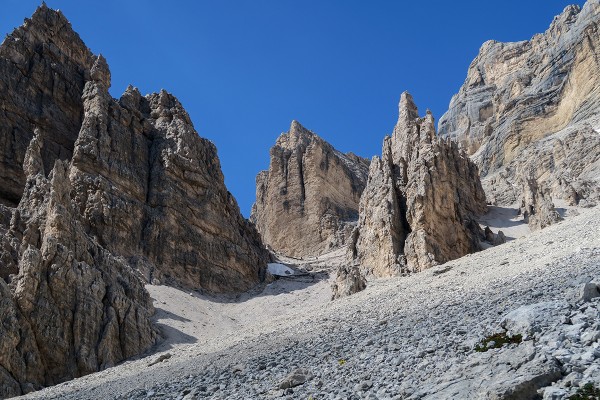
307, 202
420, 203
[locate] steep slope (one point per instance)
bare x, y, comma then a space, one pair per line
409, 337
533, 108
148, 188
307, 202
96, 195
420, 203
43, 68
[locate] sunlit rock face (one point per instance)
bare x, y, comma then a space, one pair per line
307, 202
97, 197
422, 197
533, 107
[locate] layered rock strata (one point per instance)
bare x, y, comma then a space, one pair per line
420, 203
536, 104
73, 307
146, 186
96, 194
307, 202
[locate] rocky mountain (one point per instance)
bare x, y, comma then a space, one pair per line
420, 203
96, 194
532, 109
307, 202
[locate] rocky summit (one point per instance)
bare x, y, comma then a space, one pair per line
532, 109
420, 205
99, 195
307, 202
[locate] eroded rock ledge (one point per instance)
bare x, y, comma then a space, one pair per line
534, 106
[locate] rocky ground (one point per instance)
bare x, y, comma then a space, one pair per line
401, 338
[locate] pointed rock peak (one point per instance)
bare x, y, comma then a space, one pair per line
567, 17
47, 16
407, 109
297, 135
133, 91
100, 72
296, 129
130, 99
32, 163
166, 99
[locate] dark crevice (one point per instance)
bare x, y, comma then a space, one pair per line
301, 175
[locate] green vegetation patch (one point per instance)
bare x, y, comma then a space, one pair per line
588, 392
496, 341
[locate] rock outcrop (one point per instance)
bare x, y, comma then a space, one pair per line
73, 308
420, 203
536, 207
146, 186
535, 104
348, 281
96, 194
307, 202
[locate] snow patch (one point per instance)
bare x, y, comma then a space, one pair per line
277, 269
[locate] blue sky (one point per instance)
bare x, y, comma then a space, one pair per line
245, 69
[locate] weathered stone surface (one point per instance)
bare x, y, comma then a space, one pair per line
147, 186
150, 189
307, 202
420, 202
47, 64
73, 308
492, 238
296, 378
536, 208
348, 281
536, 104
92, 189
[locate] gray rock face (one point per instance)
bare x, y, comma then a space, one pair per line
536, 104
420, 202
348, 281
536, 204
47, 64
147, 187
73, 308
307, 202
96, 194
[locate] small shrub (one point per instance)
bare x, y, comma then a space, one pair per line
588, 392
496, 341
341, 362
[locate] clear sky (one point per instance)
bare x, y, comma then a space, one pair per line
245, 69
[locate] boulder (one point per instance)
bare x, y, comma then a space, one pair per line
537, 208
348, 281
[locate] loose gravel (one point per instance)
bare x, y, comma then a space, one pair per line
402, 338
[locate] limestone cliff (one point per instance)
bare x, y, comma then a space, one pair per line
73, 308
307, 202
535, 106
96, 194
420, 203
146, 186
